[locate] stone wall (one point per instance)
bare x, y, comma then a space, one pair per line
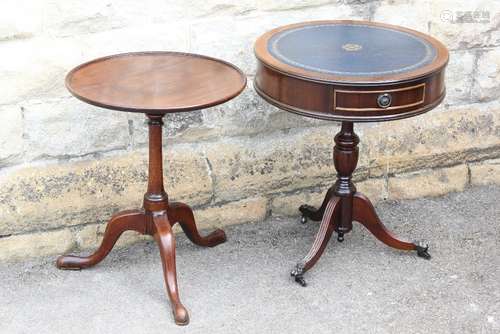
66, 166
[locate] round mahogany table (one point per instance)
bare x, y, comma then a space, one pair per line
154, 83
349, 71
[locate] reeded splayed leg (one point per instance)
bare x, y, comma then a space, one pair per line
181, 213
311, 212
166, 243
325, 232
130, 220
365, 214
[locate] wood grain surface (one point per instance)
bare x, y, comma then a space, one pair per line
155, 82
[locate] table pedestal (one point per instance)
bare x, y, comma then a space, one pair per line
343, 205
156, 219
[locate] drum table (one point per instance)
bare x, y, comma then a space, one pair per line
154, 83
349, 71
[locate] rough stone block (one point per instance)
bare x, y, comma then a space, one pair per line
178, 127
416, 14
69, 127
461, 25
428, 183
485, 172
271, 163
52, 196
215, 8
487, 80
34, 245
374, 189
20, 19
188, 176
237, 212
35, 68
68, 18
288, 205
444, 136
278, 5
459, 77
168, 36
275, 162
11, 136
235, 45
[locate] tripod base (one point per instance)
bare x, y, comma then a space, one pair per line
364, 213
158, 225
156, 220
343, 205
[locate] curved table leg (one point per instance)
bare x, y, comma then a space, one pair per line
166, 243
181, 213
129, 220
311, 212
364, 213
325, 232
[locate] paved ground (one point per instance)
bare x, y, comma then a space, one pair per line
243, 286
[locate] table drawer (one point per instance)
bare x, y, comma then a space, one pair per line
376, 100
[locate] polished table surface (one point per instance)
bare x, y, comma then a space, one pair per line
350, 70
156, 82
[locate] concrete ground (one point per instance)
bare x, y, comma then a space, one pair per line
243, 286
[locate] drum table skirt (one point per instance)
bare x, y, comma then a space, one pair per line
154, 83
349, 71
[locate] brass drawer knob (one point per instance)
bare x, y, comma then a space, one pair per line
384, 100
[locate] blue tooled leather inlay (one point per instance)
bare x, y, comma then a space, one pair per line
351, 49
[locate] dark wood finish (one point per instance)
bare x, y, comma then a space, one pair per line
129, 220
343, 205
158, 215
263, 55
156, 82
325, 232
349, 98
364, 213
317, 214
315, 92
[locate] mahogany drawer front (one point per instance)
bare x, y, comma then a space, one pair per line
378, 100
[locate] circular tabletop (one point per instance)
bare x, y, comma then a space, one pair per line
350, 70
156, 82
351, 51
